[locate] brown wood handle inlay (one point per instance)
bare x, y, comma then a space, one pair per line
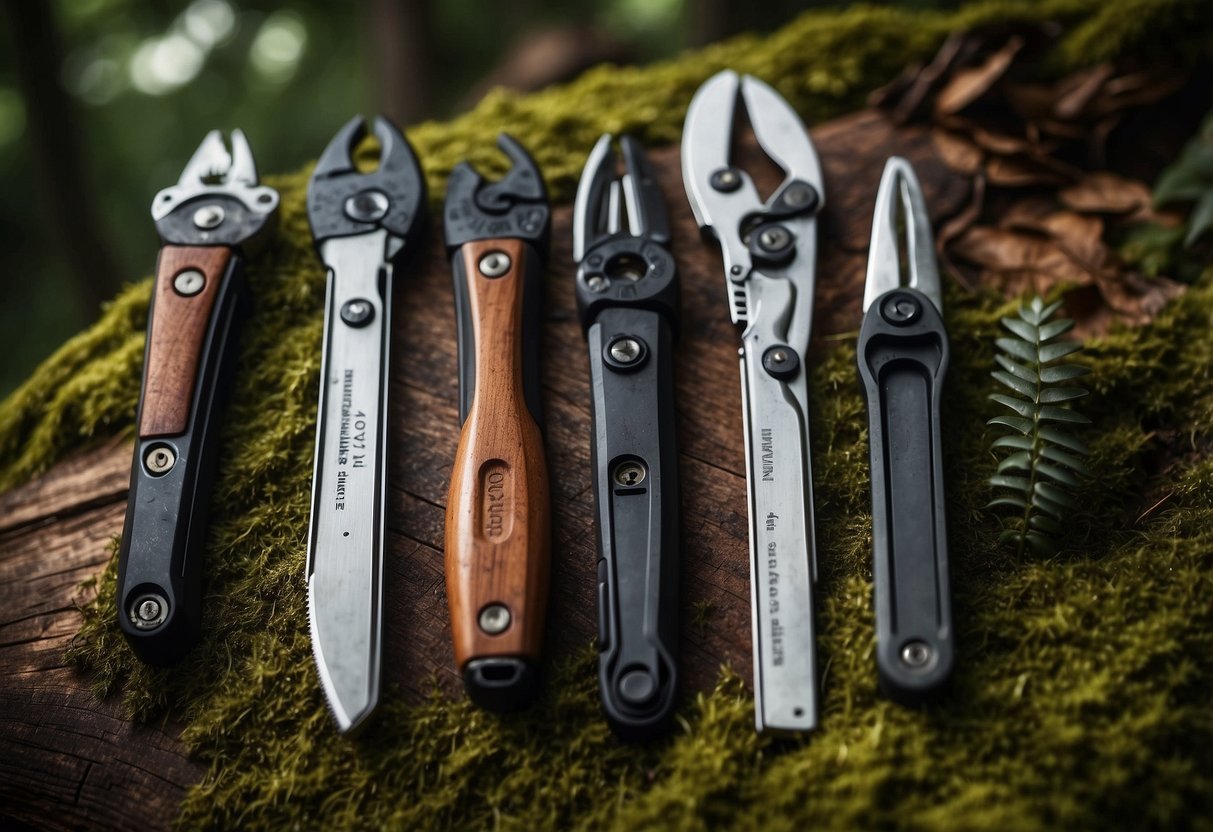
175, 337
498, 533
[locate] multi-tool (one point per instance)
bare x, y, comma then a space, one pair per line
903, 357
627, 294
210, 221
769, 251
362, 224
498, 531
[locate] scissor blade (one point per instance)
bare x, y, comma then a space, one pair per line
901, 214
345, 548
707, 137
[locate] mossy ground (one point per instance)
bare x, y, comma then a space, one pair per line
1082, 694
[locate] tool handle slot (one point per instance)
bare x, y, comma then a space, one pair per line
635, 465
498, 529
187, 368
903, 358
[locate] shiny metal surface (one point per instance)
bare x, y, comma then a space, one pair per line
901, 225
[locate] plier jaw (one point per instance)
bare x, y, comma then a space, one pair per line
345, 202
217, 200
621, 235
514, 206
752, 233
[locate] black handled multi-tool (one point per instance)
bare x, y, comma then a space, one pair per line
627, 294
362, 224
498, 531
769, 250
903, 357
216, 215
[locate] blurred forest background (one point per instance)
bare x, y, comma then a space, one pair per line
103, 101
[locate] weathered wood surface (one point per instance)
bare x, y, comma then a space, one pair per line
68, 760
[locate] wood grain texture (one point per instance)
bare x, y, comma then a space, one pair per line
69, 761
498, 521
178, 330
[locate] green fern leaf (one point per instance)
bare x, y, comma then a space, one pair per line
1041, 465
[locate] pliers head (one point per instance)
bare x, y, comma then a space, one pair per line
901, 238
515, 206
621, 235
342, 201
726, 204
217, 200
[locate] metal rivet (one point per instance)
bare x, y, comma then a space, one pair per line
208, 216
774, 238
781, 362
637, 687
147, 612
357, 312
189, 282
629, 473
916, 654
494, 264
494, 619
597, 283
900, 309
725, 180
798, 195
735, 270
160, 459
367, 206
625, 350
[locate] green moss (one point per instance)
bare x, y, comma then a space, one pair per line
1081, 697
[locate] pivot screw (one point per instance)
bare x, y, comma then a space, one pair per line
798, 195
900, 309
774, 238
625, 350
147, 612
597, 283
630, 473
160, 460
208, 216
725, 180
781, 361
916, 654
357, 312
494, 619
189, 282
494, 264
367, 206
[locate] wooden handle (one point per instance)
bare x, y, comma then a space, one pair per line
180, 317
497, 523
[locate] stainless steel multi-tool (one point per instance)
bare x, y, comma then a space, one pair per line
216, 215
362, 224
769, 251
903, 357
498, 528
627, 294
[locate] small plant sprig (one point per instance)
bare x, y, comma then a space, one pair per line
1045, 463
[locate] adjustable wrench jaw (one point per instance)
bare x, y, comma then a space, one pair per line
515, 206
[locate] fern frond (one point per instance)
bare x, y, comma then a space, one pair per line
1043, 470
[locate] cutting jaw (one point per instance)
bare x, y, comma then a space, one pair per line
213, 174
901, 235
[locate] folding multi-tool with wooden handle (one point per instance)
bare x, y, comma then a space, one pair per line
769, 250
362, 223
216, 215
627, 294
498, 530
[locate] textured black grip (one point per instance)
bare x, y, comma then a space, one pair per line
160, 560
636, 493
903, 357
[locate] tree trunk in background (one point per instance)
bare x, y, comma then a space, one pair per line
400, 36
54, 141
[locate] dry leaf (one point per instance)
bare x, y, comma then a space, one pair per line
1079, 89
960, 154
1106, 193
967, 85
1022, 171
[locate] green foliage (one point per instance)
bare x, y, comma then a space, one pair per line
1045, 462
1190, 180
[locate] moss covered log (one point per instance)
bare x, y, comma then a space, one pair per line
1082, 693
